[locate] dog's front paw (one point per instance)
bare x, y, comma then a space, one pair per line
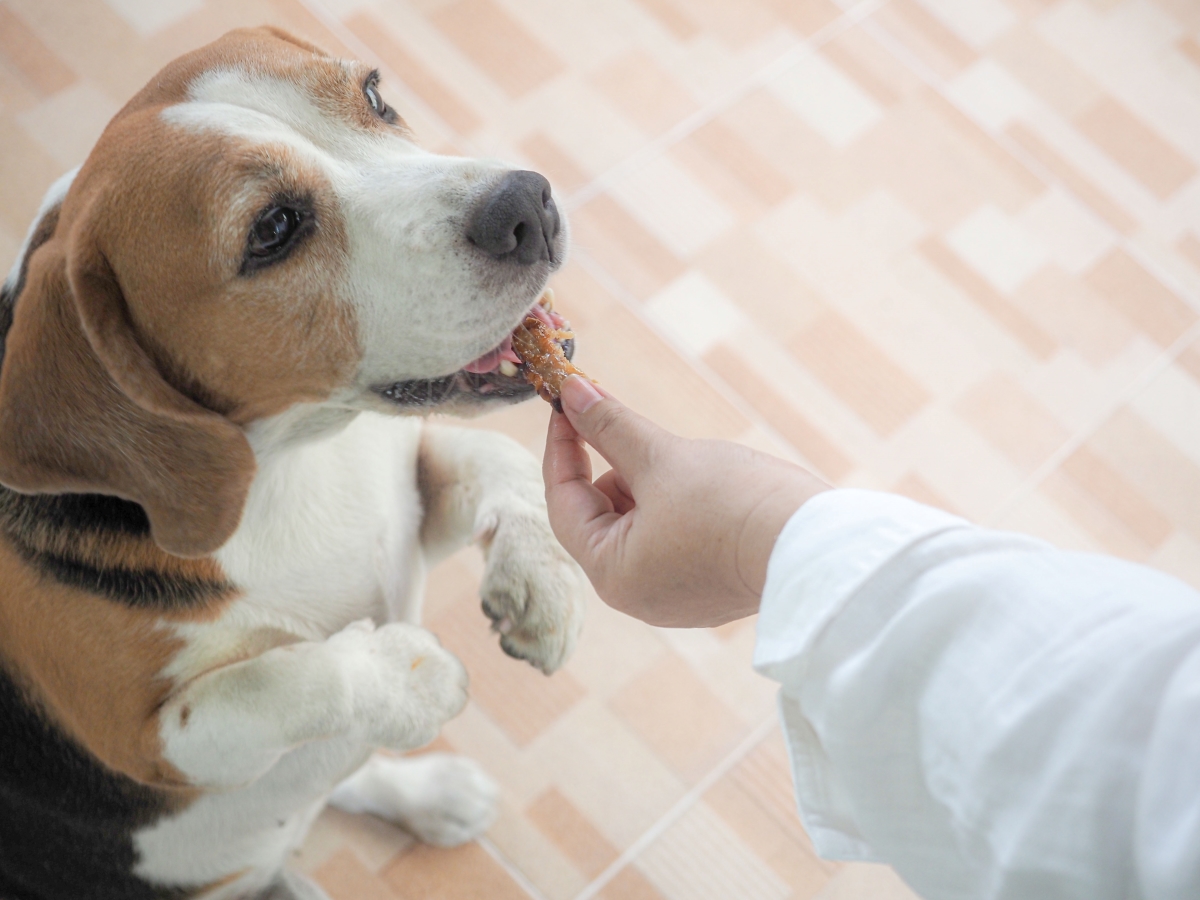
532, 591
405, 685
441, 799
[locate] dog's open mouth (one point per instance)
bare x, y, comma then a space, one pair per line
497, 375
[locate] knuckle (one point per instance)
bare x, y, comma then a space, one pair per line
608, 416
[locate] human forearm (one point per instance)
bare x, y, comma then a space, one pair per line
976, 708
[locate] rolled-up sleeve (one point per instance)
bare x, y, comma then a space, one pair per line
994, 717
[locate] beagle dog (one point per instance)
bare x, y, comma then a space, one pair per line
219, 493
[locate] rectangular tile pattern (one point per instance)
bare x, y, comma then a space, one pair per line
947, 249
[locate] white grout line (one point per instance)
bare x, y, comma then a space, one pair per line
511, 868
686, 802
681, 129
1122, 397
697, 365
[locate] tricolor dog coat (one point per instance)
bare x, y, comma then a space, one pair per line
217, 501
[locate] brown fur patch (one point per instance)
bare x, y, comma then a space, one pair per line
93, 666
139, 347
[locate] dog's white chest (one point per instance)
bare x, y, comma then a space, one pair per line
330, 533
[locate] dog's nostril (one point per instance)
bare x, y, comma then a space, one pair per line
517, 220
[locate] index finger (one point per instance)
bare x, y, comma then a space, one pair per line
579, 511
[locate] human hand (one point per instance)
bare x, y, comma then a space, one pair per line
679, 533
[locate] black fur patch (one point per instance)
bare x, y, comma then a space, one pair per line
45, 529
66, 822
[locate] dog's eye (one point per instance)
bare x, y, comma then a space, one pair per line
273, 231
375, 100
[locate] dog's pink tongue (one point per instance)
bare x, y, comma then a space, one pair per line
490, 361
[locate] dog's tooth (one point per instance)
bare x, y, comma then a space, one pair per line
507, 368
547, 299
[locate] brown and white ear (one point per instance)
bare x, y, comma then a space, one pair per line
84, 409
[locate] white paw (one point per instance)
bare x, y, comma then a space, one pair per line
532, 591
405, 685
441, 799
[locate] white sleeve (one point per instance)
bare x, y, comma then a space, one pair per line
992, 716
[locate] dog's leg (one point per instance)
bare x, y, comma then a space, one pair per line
484, 486
389, 687
294, 886
439, 798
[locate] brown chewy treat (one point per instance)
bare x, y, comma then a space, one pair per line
546, 366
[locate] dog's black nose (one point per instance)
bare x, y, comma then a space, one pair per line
518, 220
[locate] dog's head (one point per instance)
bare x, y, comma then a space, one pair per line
256, 230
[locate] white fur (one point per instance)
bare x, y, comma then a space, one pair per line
424, 307
444, 800
54, 197
319, 660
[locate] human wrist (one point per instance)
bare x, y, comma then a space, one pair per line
783, 496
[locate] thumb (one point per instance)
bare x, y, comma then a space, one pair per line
620, 435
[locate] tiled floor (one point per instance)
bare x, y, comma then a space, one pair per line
944, 247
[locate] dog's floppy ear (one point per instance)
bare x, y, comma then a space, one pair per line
84, 409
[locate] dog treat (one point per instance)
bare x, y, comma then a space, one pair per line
546, 366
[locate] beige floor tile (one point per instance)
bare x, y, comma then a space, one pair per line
1012, 421
1107, 506
1141, 297
68, 124
498, 44
549, 158
465, 873
858, 372
1073, 237
926, 36
558, 819
441, 97
1149, 158
828, 101
700, 857
679, 718
606, 231
345, 878
609, 773
733, 22
870, 66
1163, 473
776, 298
915, 487
28, 169
807, 16
1079, 183
999, 307
548, 866
1046, 72
767, 400
372, 841
637, 85
25, 53
630, 884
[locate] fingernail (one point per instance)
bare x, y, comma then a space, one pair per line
578, 395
